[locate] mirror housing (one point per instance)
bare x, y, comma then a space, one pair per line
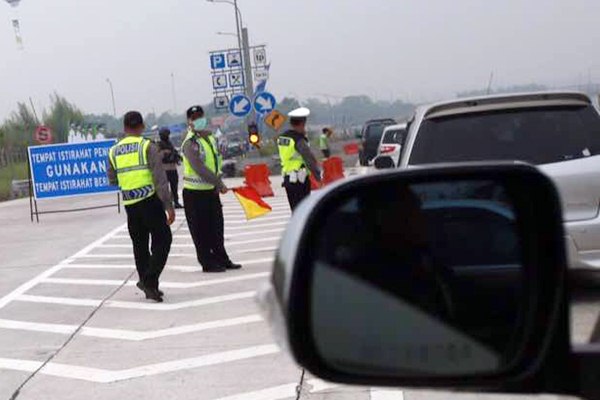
542, 363
384, 162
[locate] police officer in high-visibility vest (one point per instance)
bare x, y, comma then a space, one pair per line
135, 165
324, 142
297, 161
202, 185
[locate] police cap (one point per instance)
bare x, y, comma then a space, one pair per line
301, 112
193, 110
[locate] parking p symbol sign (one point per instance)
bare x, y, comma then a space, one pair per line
217, 61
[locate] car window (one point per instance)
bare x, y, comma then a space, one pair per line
539, 136
374, 131
393, 137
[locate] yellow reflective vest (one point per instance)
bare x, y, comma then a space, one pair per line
129, 159
291, 160
209, 152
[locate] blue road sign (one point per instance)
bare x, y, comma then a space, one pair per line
62, 170
217, 61
240, 105
264, 102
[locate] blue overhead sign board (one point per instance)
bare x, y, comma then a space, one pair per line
217, 61
240, 105
76, 169
264, 102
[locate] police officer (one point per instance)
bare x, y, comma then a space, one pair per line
136, 166
297, 161
170, 159
324, 142
202, 185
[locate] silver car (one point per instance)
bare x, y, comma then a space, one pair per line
391, 143
557, 131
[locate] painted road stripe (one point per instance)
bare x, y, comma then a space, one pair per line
169, 285
180, 268
46, 274
130, 255
191, 245
134, 305
234, 235
386, 394
281, 392
249, 227
130, 335
107, 376
253, 221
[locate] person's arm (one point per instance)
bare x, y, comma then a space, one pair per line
159, 176
309, 159
111, 174
191, 150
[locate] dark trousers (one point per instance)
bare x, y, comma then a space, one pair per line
296, 192
204, 214
173, 178
146, 220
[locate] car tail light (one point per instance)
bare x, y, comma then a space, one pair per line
387, 149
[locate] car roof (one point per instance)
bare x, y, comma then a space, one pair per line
395, 127
379, 121
502, 102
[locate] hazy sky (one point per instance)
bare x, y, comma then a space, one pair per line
412, 49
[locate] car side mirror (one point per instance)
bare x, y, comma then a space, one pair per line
384, 162
445, 277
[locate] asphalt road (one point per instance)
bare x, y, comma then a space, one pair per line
74, 326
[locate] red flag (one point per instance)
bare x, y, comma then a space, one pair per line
254, 206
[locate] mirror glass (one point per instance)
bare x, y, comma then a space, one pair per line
420, 279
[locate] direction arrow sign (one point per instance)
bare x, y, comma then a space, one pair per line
264, 102
219, 81
234, 59
275, 120
221, 102
236, 79
217, 61
240, 105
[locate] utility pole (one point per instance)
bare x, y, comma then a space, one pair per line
489, 87
247, 64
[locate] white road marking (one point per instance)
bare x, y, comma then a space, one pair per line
386, 394
107, 376
130, 335
49, 272
130, 255
281, 392
191, 245
248, 227
253, 221
179, 268
134, 305
234, 235
166, 285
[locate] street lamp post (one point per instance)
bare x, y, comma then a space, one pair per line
243, 45
112, 95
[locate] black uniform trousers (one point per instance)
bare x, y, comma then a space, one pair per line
173, 178
296, 192
146, 220
204, 214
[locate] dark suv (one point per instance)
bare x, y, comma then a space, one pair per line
371, 136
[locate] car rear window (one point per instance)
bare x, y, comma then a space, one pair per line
537, 135
392, 137
374, 131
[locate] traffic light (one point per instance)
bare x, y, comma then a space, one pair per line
253, 135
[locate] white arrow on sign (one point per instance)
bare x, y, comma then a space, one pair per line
240, 106
265, 104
